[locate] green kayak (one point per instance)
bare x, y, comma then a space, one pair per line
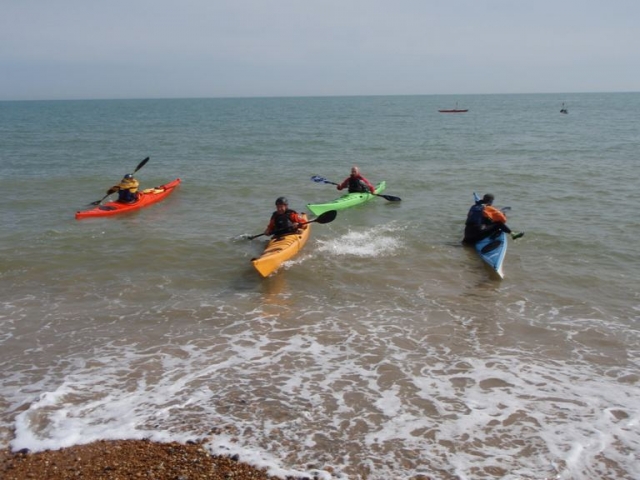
345, 201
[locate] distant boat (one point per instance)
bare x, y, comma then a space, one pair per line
564, 109
454, 110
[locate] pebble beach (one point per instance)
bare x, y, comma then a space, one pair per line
128, 459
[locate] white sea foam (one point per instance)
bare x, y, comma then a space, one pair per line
370, 242
288, 389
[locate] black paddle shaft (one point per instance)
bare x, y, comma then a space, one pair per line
326, 217
391, 198
140, 165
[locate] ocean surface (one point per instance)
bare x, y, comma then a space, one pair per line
385, 349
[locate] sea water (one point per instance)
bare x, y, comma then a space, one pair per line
385, 349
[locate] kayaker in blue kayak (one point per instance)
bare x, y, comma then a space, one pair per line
484, 219
356, 182
127, 189
284, 220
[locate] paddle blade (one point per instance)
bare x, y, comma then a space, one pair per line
319, 179
391, 198
141, 164
326, 217
98, 202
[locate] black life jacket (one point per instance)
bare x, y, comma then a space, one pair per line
475, 215
357, 185
282, 222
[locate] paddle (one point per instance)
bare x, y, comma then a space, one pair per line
113, 190
391, 198
326, 217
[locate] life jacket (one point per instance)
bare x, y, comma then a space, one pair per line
127, 196
282, 222
128, 192
476, 216
357, 185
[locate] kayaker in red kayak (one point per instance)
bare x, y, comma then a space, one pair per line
284, 220
127, 189
356, 182
484, 219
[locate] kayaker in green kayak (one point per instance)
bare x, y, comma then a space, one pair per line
127, 189
356, 182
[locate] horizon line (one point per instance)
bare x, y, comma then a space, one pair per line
233, 97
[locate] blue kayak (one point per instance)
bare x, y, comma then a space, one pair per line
492, 249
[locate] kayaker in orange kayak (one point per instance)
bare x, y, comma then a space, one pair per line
284, 220
127, 189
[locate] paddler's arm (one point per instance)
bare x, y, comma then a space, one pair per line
372, 189
298, 220
270, 227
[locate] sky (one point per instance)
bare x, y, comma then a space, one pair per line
104, 49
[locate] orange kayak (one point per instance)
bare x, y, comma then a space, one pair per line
147, 197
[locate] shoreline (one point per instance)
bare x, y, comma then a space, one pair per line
140, 460
129, 459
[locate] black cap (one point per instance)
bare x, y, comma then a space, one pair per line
282, 201
488, 199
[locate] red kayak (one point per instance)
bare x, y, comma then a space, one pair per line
147, 197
